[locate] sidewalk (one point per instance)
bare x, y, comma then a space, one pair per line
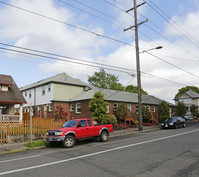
13, 147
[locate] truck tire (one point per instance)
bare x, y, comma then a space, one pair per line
104, 136
69, 141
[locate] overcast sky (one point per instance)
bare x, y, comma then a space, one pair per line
93, 31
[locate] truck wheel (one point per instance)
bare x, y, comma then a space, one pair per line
104, 136
69, 141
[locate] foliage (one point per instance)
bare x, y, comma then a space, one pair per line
194, 110
181, 109
60, 114
185, 89
134, 89
104, 80
146, 113
121, 112
110, 119
163, 111
98, 107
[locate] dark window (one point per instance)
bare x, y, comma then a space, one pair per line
82, 123
89, 122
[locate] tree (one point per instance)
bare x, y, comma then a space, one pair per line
163, 111
194, 110
181, 109
98, 107
134, 89
185, 89
104, 80
121, 112
146, 115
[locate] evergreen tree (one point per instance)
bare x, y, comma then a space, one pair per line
181, 109
98, 107
163, 111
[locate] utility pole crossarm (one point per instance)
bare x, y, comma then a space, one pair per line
136, 7
137, 25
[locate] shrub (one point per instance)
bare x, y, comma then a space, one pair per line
110, 119
60, 114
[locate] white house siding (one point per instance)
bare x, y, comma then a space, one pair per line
37, 98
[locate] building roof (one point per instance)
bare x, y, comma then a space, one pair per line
13, 95
59, 78
192, 94
118, 96
6, 80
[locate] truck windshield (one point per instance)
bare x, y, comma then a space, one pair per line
70, 123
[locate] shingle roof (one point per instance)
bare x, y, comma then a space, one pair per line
59, 78
192, 94
13, 95
118, 96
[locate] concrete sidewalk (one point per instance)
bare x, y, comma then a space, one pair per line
13, 147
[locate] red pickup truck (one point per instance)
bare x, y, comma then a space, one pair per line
78, 129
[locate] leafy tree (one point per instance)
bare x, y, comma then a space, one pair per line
121, 112
163, 111
98, 107
104, 80
185, 89
134, 89
194, 110
146, 115
181, 109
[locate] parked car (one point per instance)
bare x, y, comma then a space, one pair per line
187, 118
77, 129
174, 122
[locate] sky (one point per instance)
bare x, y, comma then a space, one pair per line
69, 32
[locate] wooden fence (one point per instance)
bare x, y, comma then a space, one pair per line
15, 128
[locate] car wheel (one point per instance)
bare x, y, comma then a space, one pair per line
184, 125
104, 136
69, 141
176, 126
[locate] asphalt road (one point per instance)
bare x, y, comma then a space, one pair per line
164, 153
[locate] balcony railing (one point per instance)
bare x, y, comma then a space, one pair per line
9, 117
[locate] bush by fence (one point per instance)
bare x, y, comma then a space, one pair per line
39, 126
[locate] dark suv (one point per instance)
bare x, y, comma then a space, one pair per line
174, 122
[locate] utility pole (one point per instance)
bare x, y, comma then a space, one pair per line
140, 120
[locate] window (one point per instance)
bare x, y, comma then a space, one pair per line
45, 107
49, 87
89, 122
0, 87
28, 109
82, 123
43, 90
189, 100
136, 108
50, 107
148, 107
78, 108
30, 94
129, 107
153, 108
72, 107
107, 107
38, 108
25, 94
115, 106
181, 100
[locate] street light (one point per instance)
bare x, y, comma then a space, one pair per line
140, 120
159, 47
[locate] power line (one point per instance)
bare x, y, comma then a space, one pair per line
115, 68
68, 24
69, 61
174, 25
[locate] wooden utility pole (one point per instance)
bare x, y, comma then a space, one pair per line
140, 120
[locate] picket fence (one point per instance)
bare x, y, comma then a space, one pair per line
38, 126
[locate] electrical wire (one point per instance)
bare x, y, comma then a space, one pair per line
68, 24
